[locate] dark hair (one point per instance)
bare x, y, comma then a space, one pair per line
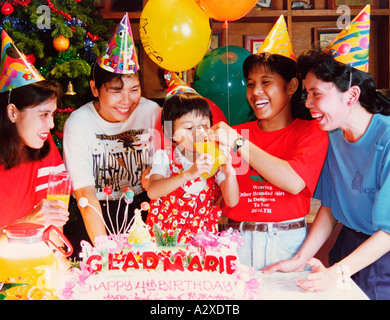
181, 104
287, 69
327, 69
23, 97
101, 76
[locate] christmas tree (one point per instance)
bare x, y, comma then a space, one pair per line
62, 38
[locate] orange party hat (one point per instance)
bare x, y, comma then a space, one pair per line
351, 46
16, 70
119, 55
278, 41
176, 85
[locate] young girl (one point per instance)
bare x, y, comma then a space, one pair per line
183, 200
285, 155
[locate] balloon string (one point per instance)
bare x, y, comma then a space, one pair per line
226, 26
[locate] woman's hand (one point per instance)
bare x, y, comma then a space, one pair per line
295, 264
225, 134
321, 278
48, 212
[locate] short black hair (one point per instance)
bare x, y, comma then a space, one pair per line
181, 104
102, 76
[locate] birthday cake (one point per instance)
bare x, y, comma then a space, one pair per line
133, 265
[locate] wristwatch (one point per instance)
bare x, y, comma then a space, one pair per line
238, 144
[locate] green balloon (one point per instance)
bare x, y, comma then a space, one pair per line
219, 77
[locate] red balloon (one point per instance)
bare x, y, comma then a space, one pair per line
226, 10
217, 113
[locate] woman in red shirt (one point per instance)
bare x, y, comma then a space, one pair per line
278, 159
28, 154
27, 151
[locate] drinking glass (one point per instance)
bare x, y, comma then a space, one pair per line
205, 143
59, 186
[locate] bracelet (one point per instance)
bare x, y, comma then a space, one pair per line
344, 279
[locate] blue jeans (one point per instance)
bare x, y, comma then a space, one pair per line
261, 249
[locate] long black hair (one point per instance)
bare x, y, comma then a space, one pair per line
12, 149
343, 76
287, 69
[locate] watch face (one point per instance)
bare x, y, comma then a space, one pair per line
239, 142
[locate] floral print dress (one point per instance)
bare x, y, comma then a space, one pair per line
182, 211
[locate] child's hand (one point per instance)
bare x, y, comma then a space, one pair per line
202, 164
227, 167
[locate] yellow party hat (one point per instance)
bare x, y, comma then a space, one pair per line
278, 41
351, 46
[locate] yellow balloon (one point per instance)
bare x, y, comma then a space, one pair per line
175, 33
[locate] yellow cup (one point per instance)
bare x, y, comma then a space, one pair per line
205, 143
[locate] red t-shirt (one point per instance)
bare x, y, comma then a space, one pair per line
304, 146
24, 187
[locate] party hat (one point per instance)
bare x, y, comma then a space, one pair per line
16, 70
176, 85
119, 55
278, 41
351, 46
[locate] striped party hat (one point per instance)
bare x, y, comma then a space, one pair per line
351, 46
16, 70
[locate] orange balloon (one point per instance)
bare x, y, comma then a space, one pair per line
226, 10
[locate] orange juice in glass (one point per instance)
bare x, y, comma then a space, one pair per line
205, 143
59, 186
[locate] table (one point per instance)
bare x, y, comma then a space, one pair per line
283, 286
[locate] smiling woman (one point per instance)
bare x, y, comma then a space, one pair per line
27, 151
118, 97
31, 111
28, 154
108, 142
